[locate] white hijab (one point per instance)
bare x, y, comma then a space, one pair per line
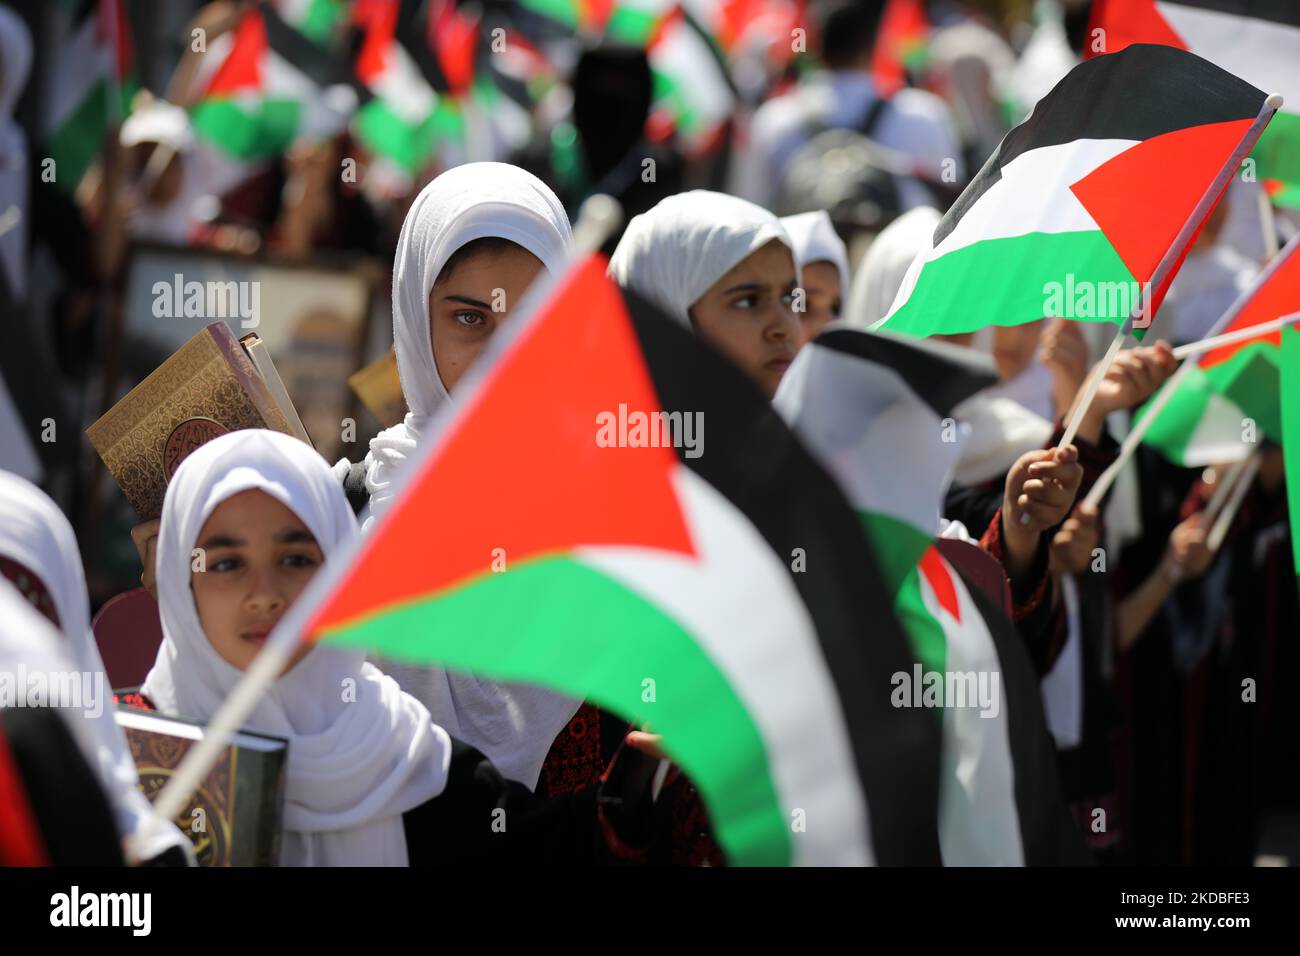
168, 125
35, 534
881, 272
815, 240
355, 766
15, 63
474, 201
673, 253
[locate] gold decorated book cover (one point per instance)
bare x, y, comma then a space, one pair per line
235, 816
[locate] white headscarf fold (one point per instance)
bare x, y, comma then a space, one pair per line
35, 534
815, 240
354, 765
672, 254
881, 271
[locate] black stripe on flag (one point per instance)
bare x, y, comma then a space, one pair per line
1279, 11
755, 461
1144, 91
1048, 834
319, 65
939, 374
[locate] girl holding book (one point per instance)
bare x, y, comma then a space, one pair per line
248, 520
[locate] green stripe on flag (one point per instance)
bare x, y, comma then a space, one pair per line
1174, 427
1290, 388
409, 145
1277, 155
562, 11
321, 19
625, 640
75, 145
1025, 277
898, 545
1249, 379
926, 635
632, 25
260, 131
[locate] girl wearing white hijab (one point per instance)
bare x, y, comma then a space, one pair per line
355, 766
823, 261
723, 267
15, 62
39, 553
365, 759
471, 244
466, 204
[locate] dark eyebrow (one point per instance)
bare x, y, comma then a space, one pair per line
466, 300
744, 287
295, 536
222, 541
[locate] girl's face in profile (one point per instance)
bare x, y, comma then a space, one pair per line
257, 558
469, 302
747, 316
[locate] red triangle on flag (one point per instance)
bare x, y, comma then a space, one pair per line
242, 68
936, 572
1122, 22
1279, 296
520, 473
1142, 197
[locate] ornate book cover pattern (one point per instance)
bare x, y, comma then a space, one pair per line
208, 387
233, 818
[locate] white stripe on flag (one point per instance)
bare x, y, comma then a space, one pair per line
1264, 53
769, 652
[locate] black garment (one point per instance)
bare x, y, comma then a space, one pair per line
480, 817
1248, 750
1088, 776
1149, 688
70, 810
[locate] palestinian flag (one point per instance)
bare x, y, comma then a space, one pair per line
269, 87
93, 84
875, 409
1202, 422
410, 112
1290, 385
1258, 40
720, 593
1082, 201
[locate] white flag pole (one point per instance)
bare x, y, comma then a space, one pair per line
1224, 521
599, 217
1268, 224
1227, 338
1140, 428
1173, 254
1227, 481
